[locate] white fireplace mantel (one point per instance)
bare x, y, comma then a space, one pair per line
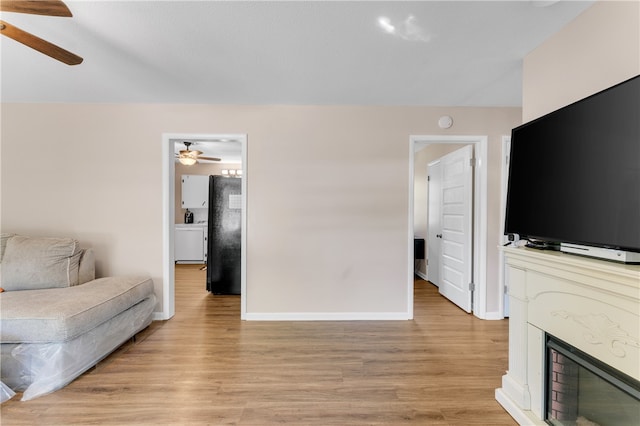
591, 304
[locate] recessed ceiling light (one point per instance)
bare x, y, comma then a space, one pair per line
408, 29
385, 24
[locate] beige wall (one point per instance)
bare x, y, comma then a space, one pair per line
327, 191
598, 49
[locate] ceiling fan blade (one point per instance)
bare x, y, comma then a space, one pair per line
209, 158
39, 44
36, 7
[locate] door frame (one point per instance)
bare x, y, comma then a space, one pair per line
431, 242
504, 180
480, 148
168, 219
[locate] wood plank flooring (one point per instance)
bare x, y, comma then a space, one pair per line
205, 366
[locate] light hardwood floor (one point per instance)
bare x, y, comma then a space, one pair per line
205, 366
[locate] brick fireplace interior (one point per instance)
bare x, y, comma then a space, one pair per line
582, 391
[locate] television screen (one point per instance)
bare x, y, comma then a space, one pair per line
574, 174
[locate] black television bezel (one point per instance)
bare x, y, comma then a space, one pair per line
544, 240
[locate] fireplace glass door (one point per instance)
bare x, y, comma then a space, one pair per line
582, 391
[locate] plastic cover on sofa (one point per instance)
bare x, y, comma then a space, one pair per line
41, 368
6, 393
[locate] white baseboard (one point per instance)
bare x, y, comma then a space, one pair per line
328, 316
522, 417
495, 315
159, 316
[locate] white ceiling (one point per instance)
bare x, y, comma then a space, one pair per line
444, 53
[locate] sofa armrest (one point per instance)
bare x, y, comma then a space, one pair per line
87, 267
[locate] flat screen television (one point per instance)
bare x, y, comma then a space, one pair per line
574, 174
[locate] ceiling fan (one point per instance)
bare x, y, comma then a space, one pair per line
189, 158
38, 7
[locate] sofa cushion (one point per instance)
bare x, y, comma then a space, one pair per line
87, 267
61, 314
33, 263
4, 237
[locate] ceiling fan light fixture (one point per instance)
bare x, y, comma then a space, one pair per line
40, 7
187, 160
190, 157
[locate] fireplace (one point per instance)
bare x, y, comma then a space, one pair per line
576, 320
583, 391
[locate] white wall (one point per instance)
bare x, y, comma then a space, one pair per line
327, 191
600, 48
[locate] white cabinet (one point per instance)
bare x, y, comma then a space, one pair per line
190, 245
195, 191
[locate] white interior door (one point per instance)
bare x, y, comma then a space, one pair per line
434, 233
457, 232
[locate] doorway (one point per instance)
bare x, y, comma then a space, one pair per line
169, 211
479, 225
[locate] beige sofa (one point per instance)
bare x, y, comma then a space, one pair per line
56, 319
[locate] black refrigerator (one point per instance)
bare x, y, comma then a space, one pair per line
224, 235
